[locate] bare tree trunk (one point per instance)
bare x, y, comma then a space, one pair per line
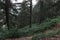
30, 13
7, 6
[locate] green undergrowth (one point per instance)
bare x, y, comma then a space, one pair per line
46, 25
38, 28
35, 28
48, 34
51, 33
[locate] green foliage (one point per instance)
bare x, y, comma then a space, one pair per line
46, 35
48, 25
3, 33
36, 28
46, 8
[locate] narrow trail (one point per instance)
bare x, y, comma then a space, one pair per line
23, 38
56, 37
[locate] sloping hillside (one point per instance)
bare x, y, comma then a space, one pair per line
51, 31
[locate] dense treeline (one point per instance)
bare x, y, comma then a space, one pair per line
46, 9
20, 17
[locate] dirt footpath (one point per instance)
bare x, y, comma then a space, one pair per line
23, 38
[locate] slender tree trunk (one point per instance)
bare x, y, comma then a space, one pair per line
7, 5
30, 13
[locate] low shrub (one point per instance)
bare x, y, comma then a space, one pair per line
47, 35
14, 32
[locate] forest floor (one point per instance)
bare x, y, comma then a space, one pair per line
23, 38
57, 37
